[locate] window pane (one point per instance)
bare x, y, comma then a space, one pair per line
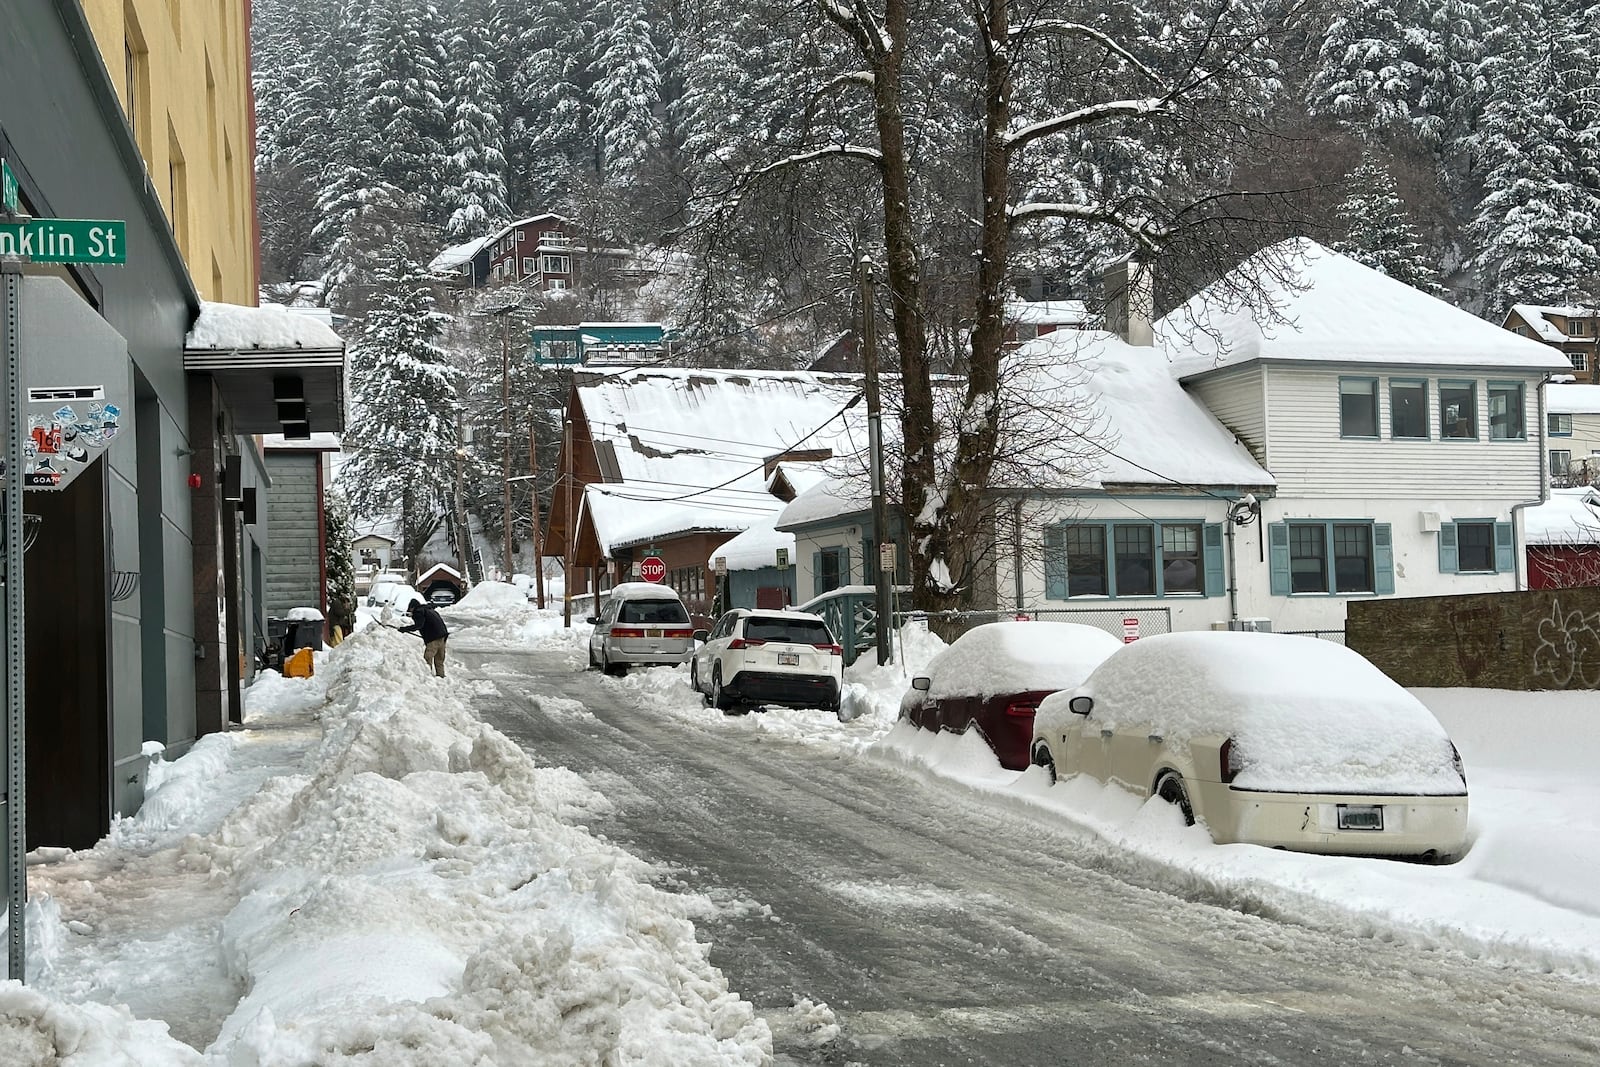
1136, 561
1352, 559
1086, 561
1560, 460
830, 577
1458, 410
1408, 409
1475, 546
1180, 559
1358, 409
1559, 424
1505, 413
1308, 560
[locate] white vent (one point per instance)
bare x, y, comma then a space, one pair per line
1431, 521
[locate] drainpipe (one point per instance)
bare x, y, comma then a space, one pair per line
1519, 560
1016, 552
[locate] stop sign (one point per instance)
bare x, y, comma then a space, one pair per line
652, 568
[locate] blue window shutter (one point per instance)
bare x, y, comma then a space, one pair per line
1448, 560
1055, 563
1278, 555
816, 574
1504, 558
1215, 578
1382, 559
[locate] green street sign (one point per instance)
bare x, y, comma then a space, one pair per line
65, 240
8, 189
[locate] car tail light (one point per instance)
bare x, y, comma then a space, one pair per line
677, 633
1455, 759
1020, 710
626, 631
832, 650
1228, 761
738, 642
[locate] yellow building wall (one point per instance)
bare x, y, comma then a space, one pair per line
181, 70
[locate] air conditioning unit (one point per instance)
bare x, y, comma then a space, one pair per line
1258, 626
1431, 521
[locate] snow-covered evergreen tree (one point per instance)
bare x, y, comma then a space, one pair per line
340, 556
550, 139
402, 435
399, 76
1378, 229
627, 91
475, 193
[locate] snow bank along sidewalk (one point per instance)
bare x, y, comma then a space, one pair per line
420, 893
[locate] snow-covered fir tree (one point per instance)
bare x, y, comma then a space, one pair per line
551, 140
1378, 230
402, 436
475, 194
399, 74
627, 91
340, 556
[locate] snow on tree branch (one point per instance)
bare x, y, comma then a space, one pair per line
1083, 116
1063, 28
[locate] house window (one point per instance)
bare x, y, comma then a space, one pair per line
1408, 410
1577, 328
557, 265
1558, 425
1476, 546
1560, 462
527, 266
1506, 422
1458, 411
1133, 559
831, 569
1358, 407
1580, 360
558, 283
520, 236
1331, 557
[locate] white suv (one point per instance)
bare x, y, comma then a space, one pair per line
754, 657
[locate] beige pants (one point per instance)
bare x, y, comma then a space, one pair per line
433, 655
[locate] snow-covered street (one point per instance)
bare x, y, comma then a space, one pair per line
370, 872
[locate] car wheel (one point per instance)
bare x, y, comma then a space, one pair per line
1042, 757
616, 670
592, 663
719, 699
1170, 787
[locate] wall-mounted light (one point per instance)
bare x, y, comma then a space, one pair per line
195, 481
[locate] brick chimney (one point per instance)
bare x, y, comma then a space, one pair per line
1130, 302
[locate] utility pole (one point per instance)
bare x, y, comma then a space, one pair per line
880, 510
571, 530
463, 534
505, 437
533, 507
14, 646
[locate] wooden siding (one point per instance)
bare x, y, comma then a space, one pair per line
294, 554
1309, 459
1238, 399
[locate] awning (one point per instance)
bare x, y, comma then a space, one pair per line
278, 370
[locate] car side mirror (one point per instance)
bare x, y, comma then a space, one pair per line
593, 620
1081, 705
921, 683
701, 635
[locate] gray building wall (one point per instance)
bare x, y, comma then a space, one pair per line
294, 566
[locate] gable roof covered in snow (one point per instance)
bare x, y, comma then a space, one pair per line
1569, 517
1572, 399
1338, 311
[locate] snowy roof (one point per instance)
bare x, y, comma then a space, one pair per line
757, 547
270, 326
1337, 310
317, 442
829, 498
443, 570
1572, 399
1536, 318
1047, 312
1569, 517
374, 534
456, 255
685, 450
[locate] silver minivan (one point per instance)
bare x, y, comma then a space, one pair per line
639, 623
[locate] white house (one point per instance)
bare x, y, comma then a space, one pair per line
1572, 424
1367, 439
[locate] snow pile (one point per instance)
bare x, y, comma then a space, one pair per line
493, 596
37, 1031
873, 692
1016, 657
420, 895
304, 615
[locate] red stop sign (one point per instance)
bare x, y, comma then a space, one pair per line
652, 568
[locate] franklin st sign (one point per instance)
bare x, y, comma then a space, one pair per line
65, 240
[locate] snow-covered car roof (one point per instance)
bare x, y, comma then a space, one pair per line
642, 591
1018, 657
1306, 715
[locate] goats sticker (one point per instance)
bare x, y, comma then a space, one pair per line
64, 438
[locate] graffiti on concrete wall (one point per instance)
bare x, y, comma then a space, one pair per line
1568, 649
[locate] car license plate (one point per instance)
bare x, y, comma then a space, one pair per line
652, 633
1360, 816
788, 659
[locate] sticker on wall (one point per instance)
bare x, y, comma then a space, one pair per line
60, 442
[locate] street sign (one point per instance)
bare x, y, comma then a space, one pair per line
886, 557
8, 190
652, 569
1130, 629
720, 565
783, 559
65, 240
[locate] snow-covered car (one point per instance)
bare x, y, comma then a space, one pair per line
640, 623
381, 594
1272, 739
754, 657
993, 677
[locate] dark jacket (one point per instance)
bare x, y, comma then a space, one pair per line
426, 622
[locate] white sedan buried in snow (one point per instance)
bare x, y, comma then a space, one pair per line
1290, 742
